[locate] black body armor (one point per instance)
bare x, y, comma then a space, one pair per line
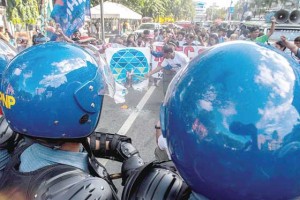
54, 182
156, 181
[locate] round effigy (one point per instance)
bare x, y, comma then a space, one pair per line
130, 61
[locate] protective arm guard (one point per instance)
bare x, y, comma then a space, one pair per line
120, 147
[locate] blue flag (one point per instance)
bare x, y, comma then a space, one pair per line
245, 9
70, 14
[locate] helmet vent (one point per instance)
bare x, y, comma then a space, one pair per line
84, 119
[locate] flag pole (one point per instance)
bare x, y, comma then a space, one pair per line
102, 21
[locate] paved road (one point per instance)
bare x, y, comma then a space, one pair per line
136, 122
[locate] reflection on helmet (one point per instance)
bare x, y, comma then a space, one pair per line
231, 120
52, 90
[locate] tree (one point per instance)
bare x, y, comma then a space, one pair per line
216, 13
178, 9
154, 8
181, 9
22, 11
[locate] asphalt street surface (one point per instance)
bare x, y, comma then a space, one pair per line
136, 122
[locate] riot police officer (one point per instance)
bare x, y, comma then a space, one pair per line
52, 96
231, 120
54, 102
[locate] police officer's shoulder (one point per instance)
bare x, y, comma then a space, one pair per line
160, 181
66, 182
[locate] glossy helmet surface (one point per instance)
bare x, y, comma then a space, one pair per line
231, 120
53, 90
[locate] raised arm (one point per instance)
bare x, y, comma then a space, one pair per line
272, 28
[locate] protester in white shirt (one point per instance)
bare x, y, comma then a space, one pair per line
173, 62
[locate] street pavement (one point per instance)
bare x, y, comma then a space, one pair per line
136, 122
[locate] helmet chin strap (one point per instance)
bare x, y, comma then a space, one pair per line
97, 169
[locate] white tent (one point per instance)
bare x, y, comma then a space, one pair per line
114, 10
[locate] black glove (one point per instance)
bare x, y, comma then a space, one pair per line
120, 147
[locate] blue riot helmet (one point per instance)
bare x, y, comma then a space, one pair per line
231, 120
53, 90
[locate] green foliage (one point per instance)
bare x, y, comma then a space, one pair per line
22, 11
216, 13
181, 9
178, 9
153, 8
27, 11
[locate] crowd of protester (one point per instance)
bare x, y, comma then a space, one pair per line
194, 35
200, 36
